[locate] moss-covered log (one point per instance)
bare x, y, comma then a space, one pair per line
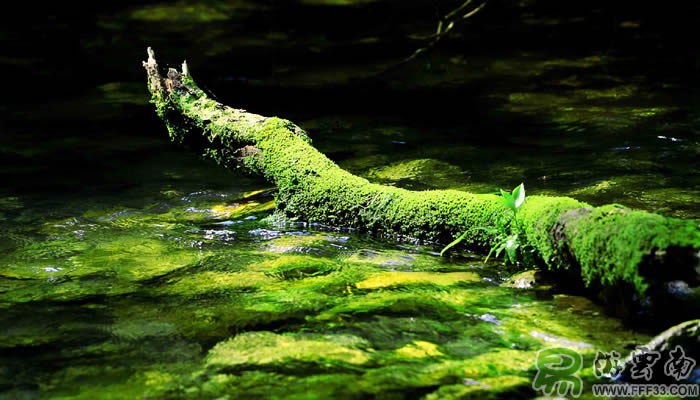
607, 245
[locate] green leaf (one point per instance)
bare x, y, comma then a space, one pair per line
511, 247
508, 200
498, 247
489, 255
519, 195
459, 239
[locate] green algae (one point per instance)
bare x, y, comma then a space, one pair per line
210, 282
394, 278
135, 258
102, 251
524, 280
588, 106
429, 172
301, 267
441, 331
262, 348
299, 243
182, 13
10, 203
633, 191
419, 349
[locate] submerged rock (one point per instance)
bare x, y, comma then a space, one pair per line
289, 350
531, 279
672, 357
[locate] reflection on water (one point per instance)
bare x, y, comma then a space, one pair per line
129, 268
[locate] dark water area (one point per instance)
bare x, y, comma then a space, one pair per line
130, 268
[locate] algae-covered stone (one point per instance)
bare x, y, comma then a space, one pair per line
267, 348
213, 282
419, 349
415, 302
522, 280
297, 267
49, 259
397, 278
295, 243
678, 346
134, 258
135, 329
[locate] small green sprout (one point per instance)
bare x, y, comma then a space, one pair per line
507, 242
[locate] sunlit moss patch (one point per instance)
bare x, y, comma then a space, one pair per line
135, 329
297, 267
261, 348
216, 282
233, 210
394, 278
419, 349
429, 172
608, 108
134, 258
295, 243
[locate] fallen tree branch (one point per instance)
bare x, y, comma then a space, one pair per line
606, 246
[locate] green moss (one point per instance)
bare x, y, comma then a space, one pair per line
537, 219
650, 192
611, 243
211, 282
429, 172
607, 108
395, 278
527, 280
300, 267
134, 258
265, 348
294, 243
344, 327
135, 329
597, 188
418, 301
318, 190
419, 349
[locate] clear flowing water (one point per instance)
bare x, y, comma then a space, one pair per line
132, 269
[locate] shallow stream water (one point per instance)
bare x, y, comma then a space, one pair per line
130, 268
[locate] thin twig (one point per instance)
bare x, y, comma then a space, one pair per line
440, 34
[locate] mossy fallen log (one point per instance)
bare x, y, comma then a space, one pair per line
607, 246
